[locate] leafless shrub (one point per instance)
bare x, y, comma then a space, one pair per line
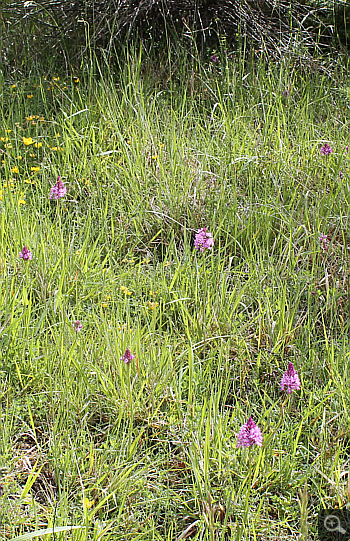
69, 29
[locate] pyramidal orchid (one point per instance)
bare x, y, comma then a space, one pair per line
249, 435
25, 254
203, 240
290, 380
58, 190
127, 356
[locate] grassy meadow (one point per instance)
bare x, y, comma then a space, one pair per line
93, 448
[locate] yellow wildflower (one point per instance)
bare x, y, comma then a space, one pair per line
1, 196
38, 145
10, 185
152, 305
21, 202
8, 131
4, 139
89, 503
55, 78
28, 141
76, 80
104, 304
29, 96
8, 145
54, 148
14, 169
35, 169
19, 158
123, 327
29, 118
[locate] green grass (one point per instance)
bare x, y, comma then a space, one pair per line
147, 451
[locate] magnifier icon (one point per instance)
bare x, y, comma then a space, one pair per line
332, 524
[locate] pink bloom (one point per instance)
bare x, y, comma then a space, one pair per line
290, 379
249, 435
58, 190
25, 254
203, 239
323, 239
326, 149
214, 58
128, 356
78, 326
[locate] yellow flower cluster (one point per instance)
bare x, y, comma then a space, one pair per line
152, 305
153, 294
10, 185
125, 289
33, 118
28, 141
123, 327
106, 299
